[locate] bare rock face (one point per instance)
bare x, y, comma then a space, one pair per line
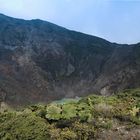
40, 62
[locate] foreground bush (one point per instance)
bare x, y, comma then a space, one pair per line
80, 120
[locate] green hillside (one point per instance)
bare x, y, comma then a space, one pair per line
89, 118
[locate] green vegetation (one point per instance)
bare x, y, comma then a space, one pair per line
82, 119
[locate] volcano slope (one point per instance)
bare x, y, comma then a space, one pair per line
41, 62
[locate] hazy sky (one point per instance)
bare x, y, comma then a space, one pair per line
115, 20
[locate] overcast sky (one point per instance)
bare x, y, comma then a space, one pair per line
115, 20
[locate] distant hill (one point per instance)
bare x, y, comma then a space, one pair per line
41, 62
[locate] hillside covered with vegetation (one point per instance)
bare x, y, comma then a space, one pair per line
94, 117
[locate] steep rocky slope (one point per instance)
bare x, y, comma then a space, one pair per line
40, 61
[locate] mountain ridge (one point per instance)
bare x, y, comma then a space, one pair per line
41, 62
41, 20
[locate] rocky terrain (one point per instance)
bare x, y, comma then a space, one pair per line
41, 62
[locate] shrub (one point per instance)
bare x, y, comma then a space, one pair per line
83, 131
53, 112
23, 127
103, 110
67, 134
69, 111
